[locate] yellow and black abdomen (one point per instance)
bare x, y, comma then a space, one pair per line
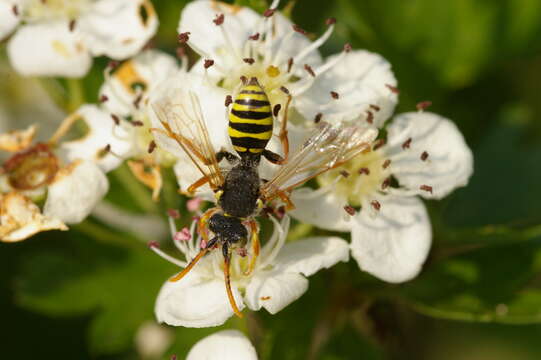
250, 120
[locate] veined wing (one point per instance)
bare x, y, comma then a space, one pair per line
183, 122
329, 146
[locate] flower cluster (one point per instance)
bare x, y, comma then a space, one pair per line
375, 196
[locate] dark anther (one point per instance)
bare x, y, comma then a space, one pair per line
344, 173
379, 143
385, 184
298, 29
15, 10
208, 63
280, 212
113, 64
386, 163
137, 101
151, 147
309, 69
347, 47
406, 144
289, 64
219, 20
254, 37
71, 25
369, 117
153, 244
284, 90
244, 79
375, 204
393, 89
318, 117
173, 213
330, 21
181, 52
248, 60
269, 12
103, 98
334, 95
115, 119
375, 107
349, 209
184, 37
424, 156
228, 100
364, 170
137, 123
173, 357
423, 105
426, 188
107, 148
276, 109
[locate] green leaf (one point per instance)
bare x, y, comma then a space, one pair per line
496, 284
117, 284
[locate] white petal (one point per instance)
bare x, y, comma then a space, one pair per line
239, 24
119, 28
361, 80
75, 191
49, 49
450, 161
310, 255
274, 290
8, 19
20, 218
195, 301
325, 211
393, 243
101, 132
223, 345
147, 69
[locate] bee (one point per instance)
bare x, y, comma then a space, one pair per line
240, 192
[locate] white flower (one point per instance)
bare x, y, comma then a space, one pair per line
346, 86
279, 277
223, 345
391, 235
38, 172
59, 37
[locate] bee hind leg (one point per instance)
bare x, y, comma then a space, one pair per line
254, 241
227, 260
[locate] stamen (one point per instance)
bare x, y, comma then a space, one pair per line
350, 210
317, 119
423, 105
71, 25
269, 12
347, 47
386, 164
115, 118
379, 143
183, 235
153, 246
275, 243
376, 205
426, 188
228, 100
254, 37
289, 64
308, 68
15, 10
385, 184
103, 98
313, 46
284, 90
335, 95
244, 80
375, 107
369, 117
248, 61
219, 20
393, 89
183, 37
298, 29
113, 64
406, 144
424, 156
137, 123
173, 213
151, 147
64, 127
344, 173
194, 204
137, 100
208, 63
364, 170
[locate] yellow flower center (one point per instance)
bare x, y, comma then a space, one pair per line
366, 174
39, 10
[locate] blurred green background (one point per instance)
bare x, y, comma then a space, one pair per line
85, 294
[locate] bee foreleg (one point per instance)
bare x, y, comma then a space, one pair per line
227, 259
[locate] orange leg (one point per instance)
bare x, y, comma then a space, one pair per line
190, 265
254, 238
283, 131
202, 224
227, 276
285, 198
198, 183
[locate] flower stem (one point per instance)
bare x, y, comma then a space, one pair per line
75, 94
103, 234
137, 191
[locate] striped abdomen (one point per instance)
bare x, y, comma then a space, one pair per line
250, 120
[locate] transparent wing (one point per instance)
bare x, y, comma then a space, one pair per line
183, 122
328, 147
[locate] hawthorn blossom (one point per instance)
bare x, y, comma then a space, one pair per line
279, 277
223, 345
242, 43
38, 173
424, 155
60, 37
122, 121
